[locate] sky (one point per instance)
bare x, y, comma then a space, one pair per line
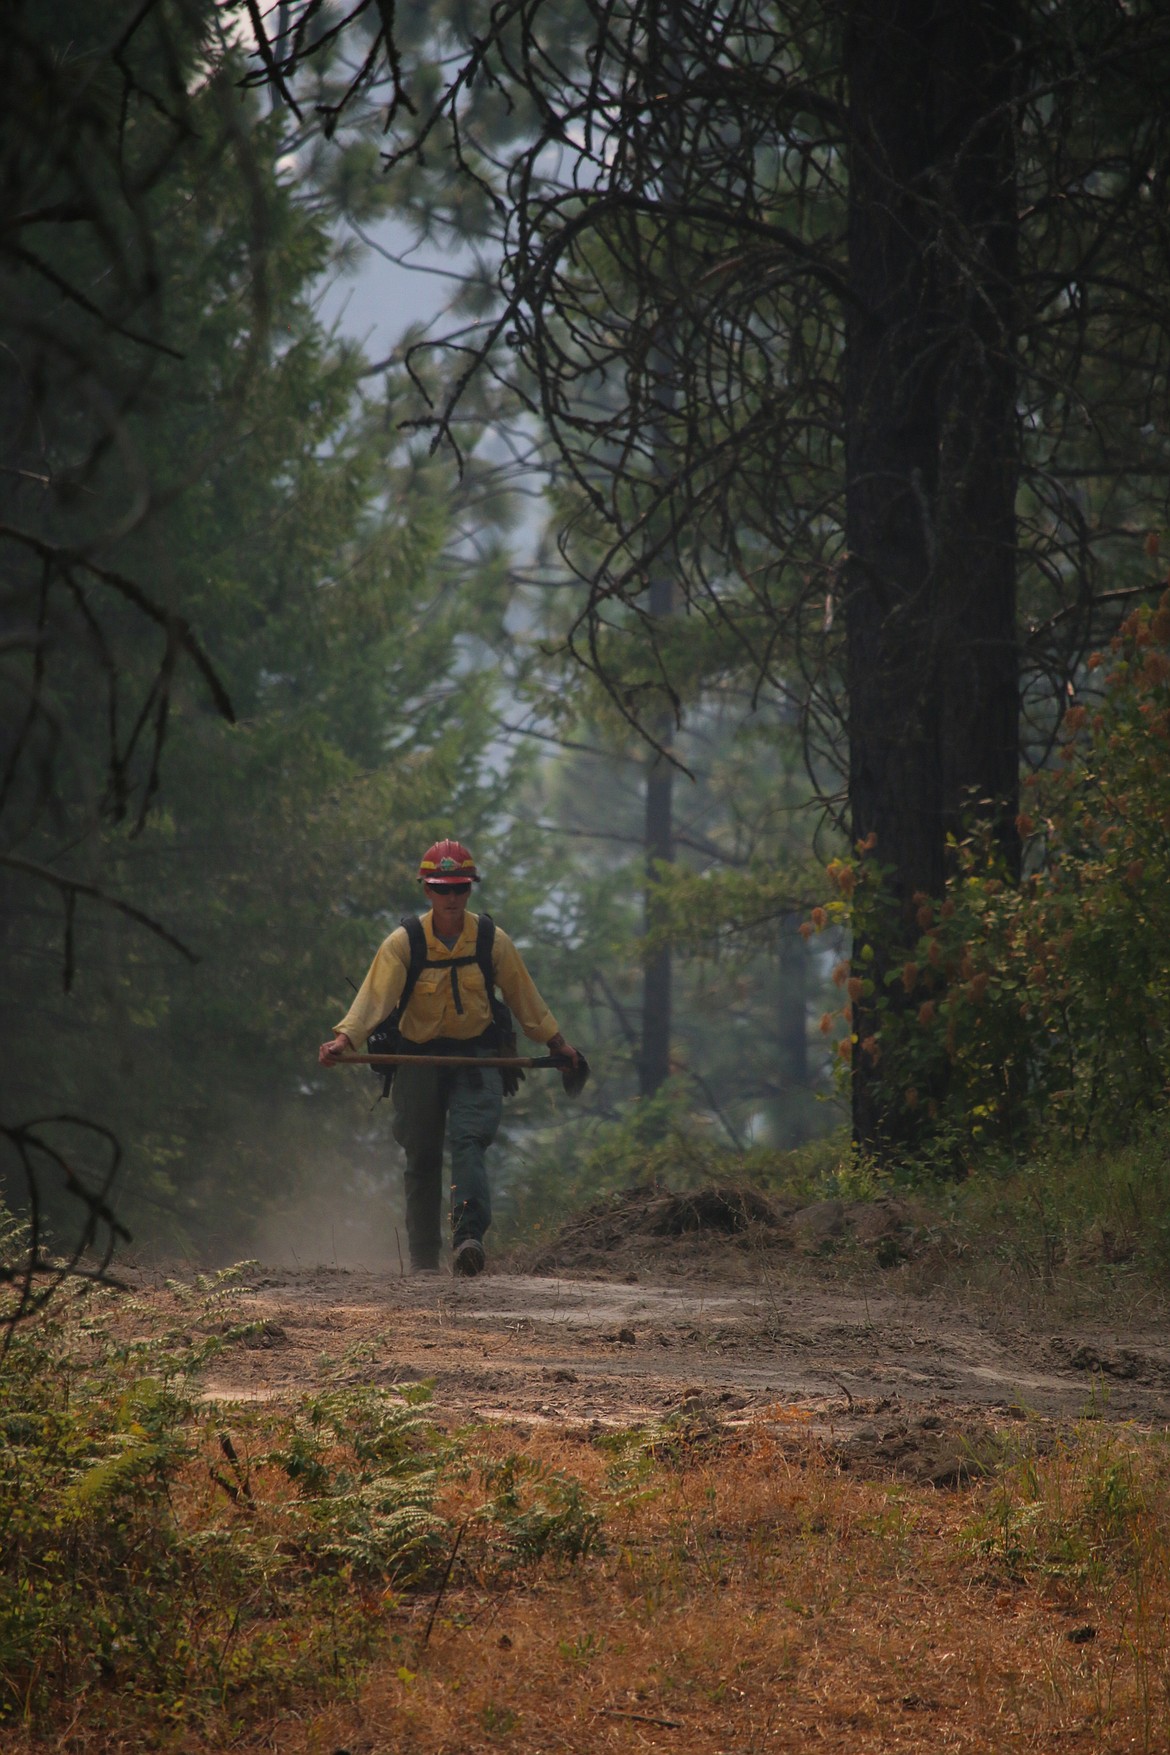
375, 305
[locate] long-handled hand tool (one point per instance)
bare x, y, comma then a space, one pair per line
573, 1073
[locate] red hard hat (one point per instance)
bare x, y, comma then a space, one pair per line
447, 862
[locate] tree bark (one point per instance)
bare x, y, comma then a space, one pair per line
931, 455
654, 1061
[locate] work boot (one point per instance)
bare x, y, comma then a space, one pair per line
469, 1257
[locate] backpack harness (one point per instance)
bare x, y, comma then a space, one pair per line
500, 1035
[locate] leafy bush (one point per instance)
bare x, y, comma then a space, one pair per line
1038, 1011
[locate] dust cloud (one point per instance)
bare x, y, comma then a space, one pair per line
336, 1216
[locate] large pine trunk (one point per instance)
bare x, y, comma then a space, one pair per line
931, 454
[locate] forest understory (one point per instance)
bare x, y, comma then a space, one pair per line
729, 1494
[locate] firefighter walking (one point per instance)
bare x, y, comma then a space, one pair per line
428, 990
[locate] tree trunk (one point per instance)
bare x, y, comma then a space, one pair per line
654, 1062
931, 455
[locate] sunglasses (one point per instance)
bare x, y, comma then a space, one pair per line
448, 889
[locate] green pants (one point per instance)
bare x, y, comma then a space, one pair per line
430, 1102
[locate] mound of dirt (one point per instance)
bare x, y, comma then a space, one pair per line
928, 1449
655, 1226
723, 1210
633, 1223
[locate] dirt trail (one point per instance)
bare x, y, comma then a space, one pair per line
578, 1350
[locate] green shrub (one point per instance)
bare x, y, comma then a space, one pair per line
1036, 1012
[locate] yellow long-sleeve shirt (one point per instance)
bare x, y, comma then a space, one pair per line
431, 1012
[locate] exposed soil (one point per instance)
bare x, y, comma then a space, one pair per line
712, 1304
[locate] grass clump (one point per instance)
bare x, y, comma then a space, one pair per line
1084, 1209
1090, 1515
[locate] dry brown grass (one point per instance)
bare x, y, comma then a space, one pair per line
751, 1597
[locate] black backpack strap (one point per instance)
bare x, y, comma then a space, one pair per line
485, 938
384, 1037
503, 1029
418, 959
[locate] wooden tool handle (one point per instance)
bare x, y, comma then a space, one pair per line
525, 1061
